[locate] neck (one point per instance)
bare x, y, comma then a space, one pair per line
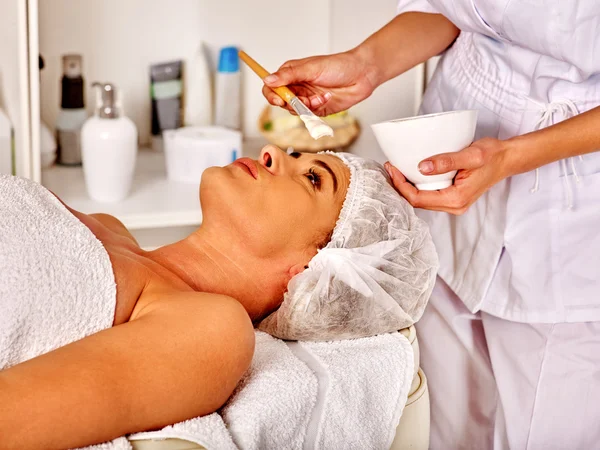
213, 263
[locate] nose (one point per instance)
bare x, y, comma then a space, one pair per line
272, 158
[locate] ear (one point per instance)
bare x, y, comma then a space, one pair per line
296, 269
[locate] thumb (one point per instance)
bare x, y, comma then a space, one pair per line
468, 158
291, 73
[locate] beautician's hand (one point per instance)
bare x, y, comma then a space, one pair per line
479, 166
489, 160
329, 84
326, 84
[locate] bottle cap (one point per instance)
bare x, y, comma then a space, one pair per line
72, 65
229, 60
72, 82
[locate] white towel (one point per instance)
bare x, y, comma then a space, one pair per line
276, 386
303, 395
56, 280
368, 385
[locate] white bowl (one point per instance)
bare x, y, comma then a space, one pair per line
407, 142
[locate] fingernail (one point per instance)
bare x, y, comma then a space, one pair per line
426, 167
278, 102
327, 96
270, 79
388, 168
316, 102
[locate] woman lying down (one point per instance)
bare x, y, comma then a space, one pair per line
99, 338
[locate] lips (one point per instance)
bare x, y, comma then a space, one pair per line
248, 165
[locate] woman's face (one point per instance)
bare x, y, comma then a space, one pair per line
280, 205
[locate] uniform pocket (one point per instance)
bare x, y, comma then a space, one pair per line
484, 26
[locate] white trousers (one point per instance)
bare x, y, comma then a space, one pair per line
507, 385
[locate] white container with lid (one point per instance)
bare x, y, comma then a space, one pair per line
191, 150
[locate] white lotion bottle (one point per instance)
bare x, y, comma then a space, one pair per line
109, 148
228, 90
198, 100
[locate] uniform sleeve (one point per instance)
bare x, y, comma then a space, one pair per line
415, 6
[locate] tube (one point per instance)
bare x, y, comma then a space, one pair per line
166, 93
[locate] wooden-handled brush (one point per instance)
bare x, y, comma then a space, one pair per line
315, 126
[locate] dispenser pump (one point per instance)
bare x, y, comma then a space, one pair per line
107, 102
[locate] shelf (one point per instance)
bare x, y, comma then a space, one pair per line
154, 201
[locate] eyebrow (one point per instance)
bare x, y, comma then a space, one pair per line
325, 166
322, 164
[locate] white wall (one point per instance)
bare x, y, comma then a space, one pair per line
120, 39
9, 67
352, 22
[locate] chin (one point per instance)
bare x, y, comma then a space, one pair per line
226, 199
214, 175
214, 183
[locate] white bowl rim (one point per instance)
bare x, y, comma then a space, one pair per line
427, 116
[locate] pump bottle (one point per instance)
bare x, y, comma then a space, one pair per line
109, 148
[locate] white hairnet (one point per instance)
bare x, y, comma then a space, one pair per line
374, 276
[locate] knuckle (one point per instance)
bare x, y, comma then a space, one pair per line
445, 163
290, 63
458, 202
477, 155
293, 74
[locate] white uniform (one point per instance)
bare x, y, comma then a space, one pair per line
521, 269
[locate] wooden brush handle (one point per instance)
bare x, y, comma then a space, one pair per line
283, 91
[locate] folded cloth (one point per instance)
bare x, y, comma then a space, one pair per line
308, 395
369, 382
56, 280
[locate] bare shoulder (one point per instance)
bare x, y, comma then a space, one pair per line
190, 306
113, 224
179, 359
194, 316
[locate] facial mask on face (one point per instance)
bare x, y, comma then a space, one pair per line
374, 276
